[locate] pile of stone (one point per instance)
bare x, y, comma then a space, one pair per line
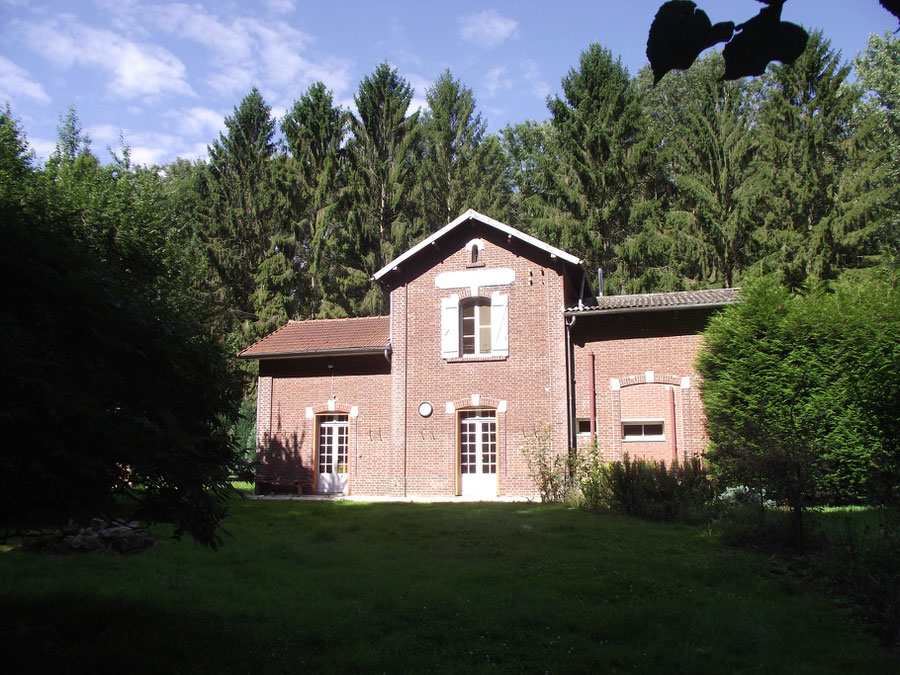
101, 536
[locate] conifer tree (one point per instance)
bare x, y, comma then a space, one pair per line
878, 73
460, 167
382, 222
598, 127
251, 249
816, 189
531, 160
315, 130
694, 230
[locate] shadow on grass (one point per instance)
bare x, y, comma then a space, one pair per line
78, 634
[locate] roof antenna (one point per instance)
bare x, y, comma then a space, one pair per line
600, 279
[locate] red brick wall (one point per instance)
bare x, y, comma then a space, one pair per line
531, 380
626, 348
287, 436
395, 451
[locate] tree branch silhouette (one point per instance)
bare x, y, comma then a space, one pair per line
681, 31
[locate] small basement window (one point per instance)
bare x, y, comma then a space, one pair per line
584, 426
643, 430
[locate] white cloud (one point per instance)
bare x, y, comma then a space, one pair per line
419, 85
281, 6
497, 80
135, 70
532, 74
246, 51
16, 83
198, 121
104, 134
42, 147
231, 43
488, 28
124, 15
142, 154
152, 147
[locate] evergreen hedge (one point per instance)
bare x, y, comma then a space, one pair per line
802, 392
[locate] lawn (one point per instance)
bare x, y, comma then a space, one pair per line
340, 586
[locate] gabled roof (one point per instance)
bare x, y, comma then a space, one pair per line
481, 218
648, 302
364, 335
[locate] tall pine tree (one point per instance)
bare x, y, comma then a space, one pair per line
315, 130
251, 248
385, 150
598, 126
878, 73
697, 231
461, 167
816, 192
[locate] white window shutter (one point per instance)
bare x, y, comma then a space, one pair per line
450, 327
499, 324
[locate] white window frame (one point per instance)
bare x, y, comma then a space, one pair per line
452, 312
479, 307
644, 423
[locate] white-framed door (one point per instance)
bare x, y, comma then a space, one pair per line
332, 451
478, 453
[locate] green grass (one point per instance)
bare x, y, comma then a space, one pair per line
338, 586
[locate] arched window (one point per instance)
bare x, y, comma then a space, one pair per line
475, 326
474, 255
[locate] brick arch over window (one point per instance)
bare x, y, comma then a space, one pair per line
337, 409
675, 412
483, 402
650, 377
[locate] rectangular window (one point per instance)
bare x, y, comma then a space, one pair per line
642, 430
584, 426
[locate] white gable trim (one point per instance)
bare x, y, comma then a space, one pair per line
496, 224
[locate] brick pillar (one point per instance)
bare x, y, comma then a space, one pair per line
399, 319
263, 422
616, 413
557, 376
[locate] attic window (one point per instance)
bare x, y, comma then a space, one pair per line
475, 248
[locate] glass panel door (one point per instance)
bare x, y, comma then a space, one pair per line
332, 444
478, 453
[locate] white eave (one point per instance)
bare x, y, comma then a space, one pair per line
474, 215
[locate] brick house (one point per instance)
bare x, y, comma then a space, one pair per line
491, 335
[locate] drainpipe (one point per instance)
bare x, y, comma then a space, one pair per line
674, 438
405, 380
570, 381
593, 398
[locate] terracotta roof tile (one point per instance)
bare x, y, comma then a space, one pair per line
324, 335
648, 301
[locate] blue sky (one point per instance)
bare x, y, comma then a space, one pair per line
165, 74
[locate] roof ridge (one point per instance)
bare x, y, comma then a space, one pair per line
342, 318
